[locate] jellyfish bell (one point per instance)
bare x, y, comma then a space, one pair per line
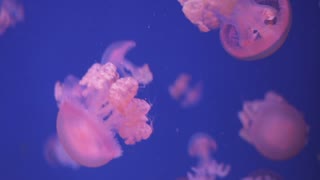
85, 138
55, 154
274, 127
281, 136
256, 28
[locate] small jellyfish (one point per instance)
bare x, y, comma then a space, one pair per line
182, 91
94, 109
10, 13
263, 174
249, 29
202, 146
274, 127
115, 54
56, 155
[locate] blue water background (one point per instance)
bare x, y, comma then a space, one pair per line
62, 37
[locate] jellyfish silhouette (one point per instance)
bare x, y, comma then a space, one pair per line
274, 127
249, 29
186, 94
202, 146
100, 105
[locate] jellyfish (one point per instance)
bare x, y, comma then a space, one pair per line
56, 155
202, 146
273, 126
96, 108
182, 91
263, 174
10, 13
115, 54
249, 29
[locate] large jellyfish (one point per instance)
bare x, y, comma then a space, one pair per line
10, 13
249, 29
100, 105
201, 146
274, 127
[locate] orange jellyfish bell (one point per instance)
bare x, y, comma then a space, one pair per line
256, 29
84, 138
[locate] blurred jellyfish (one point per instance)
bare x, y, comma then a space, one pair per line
263, 174
56, 155
249, 29
201, 146
182, 91
10, 13
115, 54
94, 109
274, 127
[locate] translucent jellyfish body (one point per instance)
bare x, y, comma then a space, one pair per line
182, 91
95, 108
202, 146
274, 127
56, 155
10, 13
249, 29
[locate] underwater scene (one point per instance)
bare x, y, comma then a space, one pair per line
168, 90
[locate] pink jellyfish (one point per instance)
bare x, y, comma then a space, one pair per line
249, 29
10, 13
96, 108
201, 146
182, 91
56, 155
274, 127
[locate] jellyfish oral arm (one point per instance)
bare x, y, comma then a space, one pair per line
100, 105
223, 170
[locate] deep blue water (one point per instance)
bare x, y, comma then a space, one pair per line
62, 37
